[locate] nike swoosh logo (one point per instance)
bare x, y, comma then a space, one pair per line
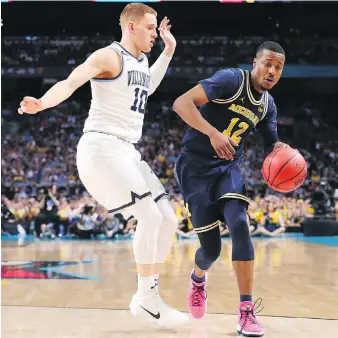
158, 316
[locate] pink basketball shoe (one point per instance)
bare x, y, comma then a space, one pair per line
197, 298
248, 324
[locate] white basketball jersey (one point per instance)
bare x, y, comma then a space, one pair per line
118, 105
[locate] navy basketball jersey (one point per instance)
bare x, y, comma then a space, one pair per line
235, 109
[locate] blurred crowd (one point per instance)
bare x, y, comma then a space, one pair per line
51, 215
42, 193
191, 51
41, 190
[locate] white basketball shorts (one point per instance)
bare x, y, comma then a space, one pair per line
114, 174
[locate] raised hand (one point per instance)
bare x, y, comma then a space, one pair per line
167, 37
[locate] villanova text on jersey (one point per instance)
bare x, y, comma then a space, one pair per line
138, 78
235, 108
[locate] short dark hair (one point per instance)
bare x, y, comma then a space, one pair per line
271, 46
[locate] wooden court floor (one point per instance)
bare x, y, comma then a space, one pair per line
82, 289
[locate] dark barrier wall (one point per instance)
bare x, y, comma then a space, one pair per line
320, 227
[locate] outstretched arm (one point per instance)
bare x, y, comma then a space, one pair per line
100, 61
159, 68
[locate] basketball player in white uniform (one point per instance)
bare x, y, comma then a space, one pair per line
109, 166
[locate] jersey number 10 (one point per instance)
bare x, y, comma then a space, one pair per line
140, 101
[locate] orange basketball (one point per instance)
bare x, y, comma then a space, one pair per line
284, 169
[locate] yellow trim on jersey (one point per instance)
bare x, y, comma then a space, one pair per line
208, 227
265, 106
236, 196
236, 96
250, 95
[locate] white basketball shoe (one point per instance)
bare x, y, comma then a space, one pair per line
156, 311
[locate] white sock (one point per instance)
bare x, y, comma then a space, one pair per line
144, 285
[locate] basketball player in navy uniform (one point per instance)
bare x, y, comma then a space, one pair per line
233, 102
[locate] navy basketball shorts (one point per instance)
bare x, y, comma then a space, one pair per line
203, 185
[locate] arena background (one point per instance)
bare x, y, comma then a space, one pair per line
42, 42
68, 267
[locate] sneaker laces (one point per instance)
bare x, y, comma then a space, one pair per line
154, 289
198, 293
154, 286
249, 314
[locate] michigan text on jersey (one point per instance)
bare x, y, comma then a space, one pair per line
245, 112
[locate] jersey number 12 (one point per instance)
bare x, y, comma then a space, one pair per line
235, 135
140, 102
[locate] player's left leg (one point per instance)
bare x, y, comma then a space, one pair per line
243, 263
165, 238
169, 222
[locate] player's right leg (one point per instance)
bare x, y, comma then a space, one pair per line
196, 189
107, 169
206, 255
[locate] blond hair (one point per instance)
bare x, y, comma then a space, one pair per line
135, 12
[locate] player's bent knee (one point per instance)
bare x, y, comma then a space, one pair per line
239, 228
169, 218
210, 250
170, 222
204, 259
242, 248
147, 212
236, 219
